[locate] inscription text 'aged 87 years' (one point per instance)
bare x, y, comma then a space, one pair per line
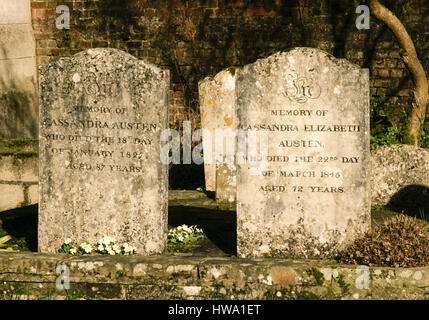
101, 116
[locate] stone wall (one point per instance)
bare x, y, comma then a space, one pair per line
34, 276
400, 177
195, 39
18, 99
19, 173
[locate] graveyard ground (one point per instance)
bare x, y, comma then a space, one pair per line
207, 270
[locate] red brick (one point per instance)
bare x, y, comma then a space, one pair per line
39, 5
381, 92
256, 12
383, 73
404, 93
394, 54
42, 13
177, 3
377, 63
149, 13
391, 64
40, 36
396, 73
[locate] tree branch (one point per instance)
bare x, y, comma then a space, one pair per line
412, 61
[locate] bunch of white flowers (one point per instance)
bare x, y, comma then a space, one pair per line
106, 245
185, 234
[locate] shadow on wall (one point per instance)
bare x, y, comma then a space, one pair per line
19, 115
412, 199
21, 223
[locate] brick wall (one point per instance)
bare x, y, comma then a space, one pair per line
198, 38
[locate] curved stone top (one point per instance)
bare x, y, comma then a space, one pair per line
309, 53
98, 73
112, 55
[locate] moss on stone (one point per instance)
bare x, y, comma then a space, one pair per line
18, 143
23, 204
318, 276
18, 154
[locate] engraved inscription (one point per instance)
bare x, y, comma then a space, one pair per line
301, 89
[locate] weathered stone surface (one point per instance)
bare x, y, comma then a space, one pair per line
313, 195
218, 118
15, 12
19, 170
11, 195
18, 82
400, 176
33, 194
102, 112
33, 276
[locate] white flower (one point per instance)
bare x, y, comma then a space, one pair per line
116, 248
73, 250
108, 240
67, 241
86, 247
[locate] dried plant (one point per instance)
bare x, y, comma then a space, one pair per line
398, 242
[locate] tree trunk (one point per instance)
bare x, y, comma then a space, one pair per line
421, 95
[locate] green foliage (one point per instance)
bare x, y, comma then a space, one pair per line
384, 130
3, 247
22, 242
23, 204
399, 242
318, 276
424, 135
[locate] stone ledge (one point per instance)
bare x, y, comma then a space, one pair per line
33, 276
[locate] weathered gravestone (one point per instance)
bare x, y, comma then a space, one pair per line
102, 112
314, 194
218, 119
